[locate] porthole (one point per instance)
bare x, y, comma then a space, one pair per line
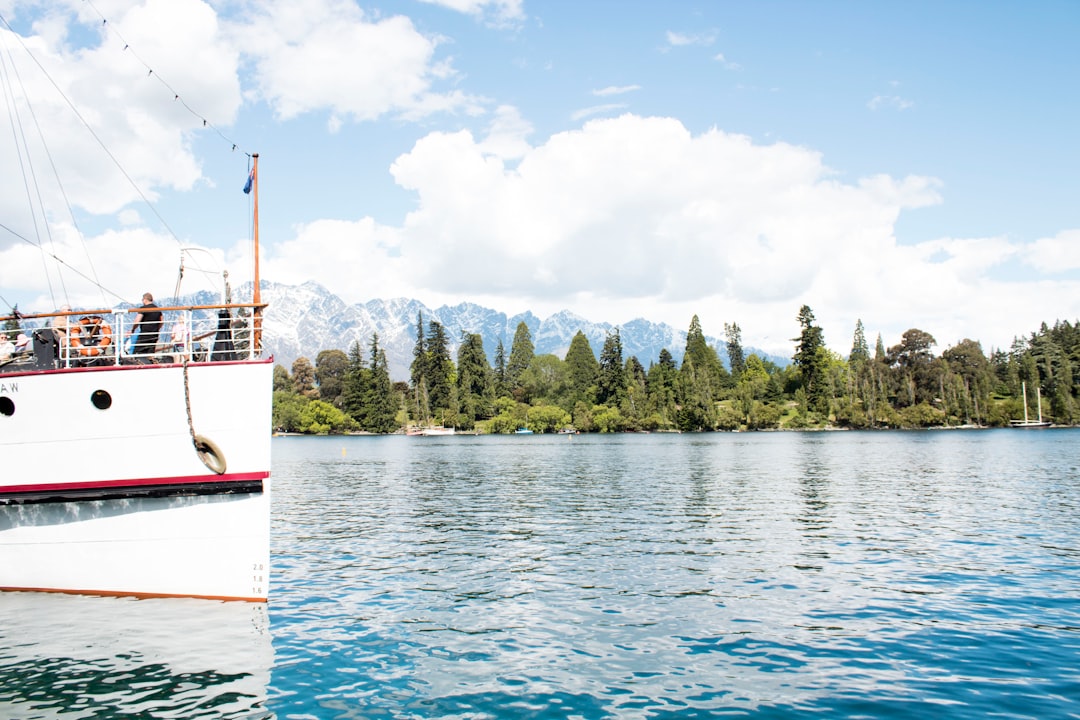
102, 400
7, 406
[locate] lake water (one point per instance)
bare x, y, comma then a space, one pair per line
892, 574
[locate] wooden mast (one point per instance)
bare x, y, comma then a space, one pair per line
256, 294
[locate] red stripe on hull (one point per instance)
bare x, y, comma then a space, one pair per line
134, 483
144, 595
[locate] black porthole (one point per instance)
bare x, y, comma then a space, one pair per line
102, 400
7, 406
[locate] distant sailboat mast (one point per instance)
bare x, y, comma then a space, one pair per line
1023, 387
1027, 422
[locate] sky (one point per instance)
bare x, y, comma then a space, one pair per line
908, 164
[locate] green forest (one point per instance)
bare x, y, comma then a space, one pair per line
902, 386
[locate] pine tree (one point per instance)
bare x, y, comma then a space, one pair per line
381, 400
418, 375
736, 359
500, 371
700, 380
440, 368
474, 380
521, 354
582, 368
662, 387
636, 403
611, 378
860, 351
355, 386
812, 363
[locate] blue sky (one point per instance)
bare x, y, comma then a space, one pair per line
911, 164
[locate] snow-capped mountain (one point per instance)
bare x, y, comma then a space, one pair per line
303, 320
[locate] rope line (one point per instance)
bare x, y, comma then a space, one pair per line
150, 73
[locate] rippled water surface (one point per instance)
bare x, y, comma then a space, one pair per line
638, 576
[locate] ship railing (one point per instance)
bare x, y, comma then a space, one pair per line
203, 333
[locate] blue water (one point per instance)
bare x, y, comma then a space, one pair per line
896, 574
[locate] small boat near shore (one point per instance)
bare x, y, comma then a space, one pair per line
1026, 423
430, 431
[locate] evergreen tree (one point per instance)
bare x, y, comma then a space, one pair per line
611, 377
440, 369
700, 380
976, 378
733, 334
860, 352
381, 401
418, 374
811, 362
521, 354
662, 386
635, 406
355, 386
474, 382
917, 376
582, 368
499, 378
418, 369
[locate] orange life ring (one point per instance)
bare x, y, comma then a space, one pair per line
96, 331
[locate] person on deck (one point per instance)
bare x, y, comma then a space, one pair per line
179, 338
60, 325
148, 326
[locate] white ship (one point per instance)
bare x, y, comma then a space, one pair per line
128, 477
135, 471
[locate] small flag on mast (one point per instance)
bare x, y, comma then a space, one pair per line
250, 180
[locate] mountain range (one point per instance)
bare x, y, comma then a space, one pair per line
303, 320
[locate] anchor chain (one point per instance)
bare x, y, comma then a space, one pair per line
209, 453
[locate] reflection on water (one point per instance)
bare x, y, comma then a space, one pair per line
68, 656
838, 574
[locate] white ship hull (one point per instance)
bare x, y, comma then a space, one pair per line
116, 500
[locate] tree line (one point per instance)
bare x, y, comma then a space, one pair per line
902, 386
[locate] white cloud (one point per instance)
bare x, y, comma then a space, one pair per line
729, 65
615, 90
358, 259
605, 109
497, 12
678, 39
507, 134
893, 102
125, 105
638, 211
1058, 254
139, 260
633, 216
328, 55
